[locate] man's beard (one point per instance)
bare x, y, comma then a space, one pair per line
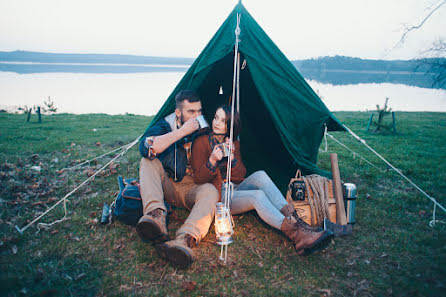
181, 119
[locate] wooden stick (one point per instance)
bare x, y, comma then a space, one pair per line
38, 113
29, 114
393, 122
370, 122
337, 189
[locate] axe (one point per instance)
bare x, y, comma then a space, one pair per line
341, 228
338, 230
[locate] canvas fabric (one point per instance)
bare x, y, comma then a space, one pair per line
283, 119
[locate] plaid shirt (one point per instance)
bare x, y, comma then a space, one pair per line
160, 128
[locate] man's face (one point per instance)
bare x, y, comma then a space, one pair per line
189, 110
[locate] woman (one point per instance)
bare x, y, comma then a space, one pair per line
257, 191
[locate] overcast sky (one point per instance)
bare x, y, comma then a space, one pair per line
181, 28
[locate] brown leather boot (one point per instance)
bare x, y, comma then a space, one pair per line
152, 226
178, 251
305, 241
289, 211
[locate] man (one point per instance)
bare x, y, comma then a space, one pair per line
166, 175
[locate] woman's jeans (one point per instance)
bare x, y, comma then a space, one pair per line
258, 192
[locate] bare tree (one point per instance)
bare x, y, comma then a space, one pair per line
434, 63
410, 28
432, 60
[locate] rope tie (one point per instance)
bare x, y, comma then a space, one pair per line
310, 201
46, 226
319, 200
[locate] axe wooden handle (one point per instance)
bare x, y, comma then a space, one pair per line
337, 189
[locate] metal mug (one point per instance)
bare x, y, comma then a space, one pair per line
225, 149
202, 123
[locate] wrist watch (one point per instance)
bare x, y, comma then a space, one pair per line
148, 144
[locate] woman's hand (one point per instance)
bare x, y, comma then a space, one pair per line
216, 155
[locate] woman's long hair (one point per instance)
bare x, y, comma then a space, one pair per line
237, 124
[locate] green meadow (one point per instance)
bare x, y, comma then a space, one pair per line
392, 252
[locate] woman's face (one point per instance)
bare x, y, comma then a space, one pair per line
219, 122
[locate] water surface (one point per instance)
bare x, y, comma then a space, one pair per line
144, 93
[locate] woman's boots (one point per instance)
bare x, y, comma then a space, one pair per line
289, 211
305, 241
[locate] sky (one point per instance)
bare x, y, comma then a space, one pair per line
179, 28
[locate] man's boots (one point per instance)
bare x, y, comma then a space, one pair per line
152, 226
289, 211
178, 251
305, 241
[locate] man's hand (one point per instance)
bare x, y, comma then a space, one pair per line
216, 155
189, 127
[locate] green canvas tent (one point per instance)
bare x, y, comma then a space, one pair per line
283, 120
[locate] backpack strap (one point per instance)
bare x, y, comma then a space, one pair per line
121, 183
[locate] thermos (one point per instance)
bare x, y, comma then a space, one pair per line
350, 196
105, 214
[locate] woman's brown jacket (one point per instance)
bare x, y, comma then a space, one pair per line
204, 172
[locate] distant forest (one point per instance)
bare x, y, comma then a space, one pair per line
341, 70
25, 56
338, 70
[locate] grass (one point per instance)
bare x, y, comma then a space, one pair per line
392, 251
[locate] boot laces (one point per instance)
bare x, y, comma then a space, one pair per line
299, 215
188, 239
303, 226
156, 213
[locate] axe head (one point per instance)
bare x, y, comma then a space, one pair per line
338, 230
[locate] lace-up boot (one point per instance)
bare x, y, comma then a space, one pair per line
289, 211
305, 241
152, 226
178, 251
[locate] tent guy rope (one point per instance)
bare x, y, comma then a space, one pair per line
90, 160
433, 221
21, 230
354, 153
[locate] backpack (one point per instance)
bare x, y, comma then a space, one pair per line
128, 204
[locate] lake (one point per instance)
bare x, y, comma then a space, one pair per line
144, 93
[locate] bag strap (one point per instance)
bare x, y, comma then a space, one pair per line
298, 174
288, 193
121, 183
